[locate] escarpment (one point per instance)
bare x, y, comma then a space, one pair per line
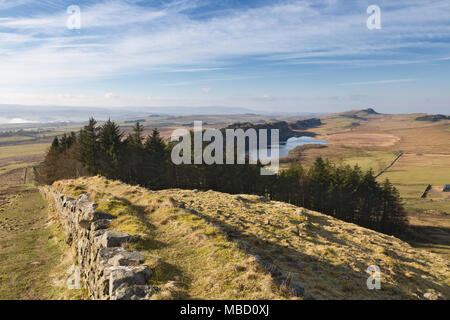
107, 270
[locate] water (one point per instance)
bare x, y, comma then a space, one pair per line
285, 147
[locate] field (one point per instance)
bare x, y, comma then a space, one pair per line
373, 141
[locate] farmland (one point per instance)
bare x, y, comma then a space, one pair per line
373, 141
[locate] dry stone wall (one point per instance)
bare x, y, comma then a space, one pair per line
108, 271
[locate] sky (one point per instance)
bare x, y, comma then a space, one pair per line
268, 55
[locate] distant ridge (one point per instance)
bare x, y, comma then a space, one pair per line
433, 117
22, 114
369, 111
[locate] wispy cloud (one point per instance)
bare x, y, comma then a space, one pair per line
364, 83
183, 43
128, 38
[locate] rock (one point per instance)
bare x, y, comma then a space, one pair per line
138, 292
297, 290
239, 198
112, 238
301, 212
100, 215
433, 296
126, 275
119, 257
100, 224
90, 217
127, 258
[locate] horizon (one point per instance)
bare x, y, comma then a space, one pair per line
288, 56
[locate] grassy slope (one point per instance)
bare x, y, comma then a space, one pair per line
210, 252
30, 253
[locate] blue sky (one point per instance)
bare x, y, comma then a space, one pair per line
293, 56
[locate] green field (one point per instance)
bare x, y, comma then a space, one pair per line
23, 150
375, 160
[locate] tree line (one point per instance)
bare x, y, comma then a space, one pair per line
344, 192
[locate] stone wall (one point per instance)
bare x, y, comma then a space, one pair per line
108, 271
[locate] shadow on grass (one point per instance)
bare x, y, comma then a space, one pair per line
286, 265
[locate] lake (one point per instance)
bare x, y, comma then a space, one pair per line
287, 146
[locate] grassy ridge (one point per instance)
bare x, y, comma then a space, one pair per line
212, 245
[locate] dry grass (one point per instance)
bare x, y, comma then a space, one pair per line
191, 258
363, 140
209, 250
23, 150
31, 248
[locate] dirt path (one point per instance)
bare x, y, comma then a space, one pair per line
30, 255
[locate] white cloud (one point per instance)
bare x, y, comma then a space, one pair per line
111, 95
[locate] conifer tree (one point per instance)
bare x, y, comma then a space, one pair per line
89, 146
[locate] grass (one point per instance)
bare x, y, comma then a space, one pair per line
212, 249
191, 258
23, 150
31, 247
376, 160
15, 139
412, 174
14, 166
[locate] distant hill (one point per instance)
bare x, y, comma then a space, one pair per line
15, 114
358, 114
433, 118
306, 124
286, 129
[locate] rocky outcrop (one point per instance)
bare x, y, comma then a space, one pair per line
306, 124
285, 130
433, 118
108, 271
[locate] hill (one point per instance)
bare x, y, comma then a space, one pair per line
212, 245
433, 117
